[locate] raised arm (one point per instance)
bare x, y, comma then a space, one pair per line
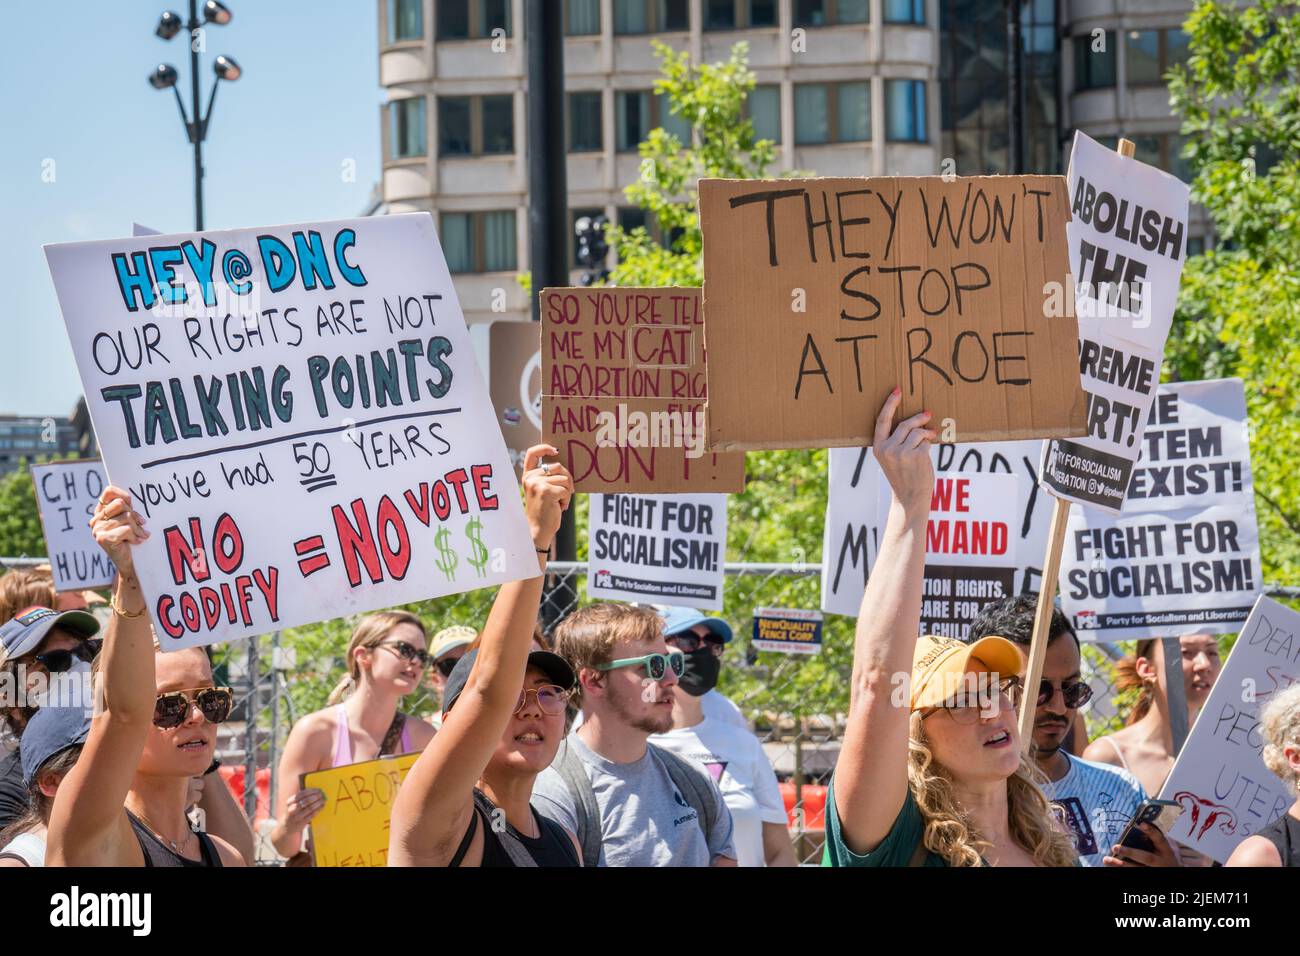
871, 773
433, 807
88, 825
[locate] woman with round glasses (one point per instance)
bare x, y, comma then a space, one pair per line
467, 801
930, 772
124, 801
386, 660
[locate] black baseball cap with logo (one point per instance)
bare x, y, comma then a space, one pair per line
553, 666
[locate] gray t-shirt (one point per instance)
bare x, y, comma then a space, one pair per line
644, 820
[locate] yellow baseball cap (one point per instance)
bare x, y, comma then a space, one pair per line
940, 664
450, 638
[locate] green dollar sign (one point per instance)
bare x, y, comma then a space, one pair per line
478, 554
446, 562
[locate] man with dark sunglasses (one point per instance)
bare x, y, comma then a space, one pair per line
37, 640
1096, 800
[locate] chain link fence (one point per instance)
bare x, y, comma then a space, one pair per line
795, 704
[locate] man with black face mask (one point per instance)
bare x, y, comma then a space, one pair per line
708, 735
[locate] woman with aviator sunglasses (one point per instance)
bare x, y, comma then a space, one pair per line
930, 773
124, 802
467, 799
386, 661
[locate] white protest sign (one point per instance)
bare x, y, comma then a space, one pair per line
1127, 237
1184, 556
298, 416
1226, 791
957, 585
666, 549
66, 492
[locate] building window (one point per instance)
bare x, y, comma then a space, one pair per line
405, 20
406, 130
1142, 55
476, 125
637, 112
905, 111
479, 241
1149, 54
584, 123
581, 17
832, 113
764, 109
633, 217
905, 11
825, 13
1094, 69
651, 16
739, 14
472, 19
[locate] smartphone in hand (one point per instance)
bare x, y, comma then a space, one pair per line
1160, 813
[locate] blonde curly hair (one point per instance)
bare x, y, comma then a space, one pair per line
949, 833
1281, 725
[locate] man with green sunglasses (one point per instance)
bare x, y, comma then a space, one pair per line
629, 802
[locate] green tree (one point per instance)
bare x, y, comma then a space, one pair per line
1239, 307
20, 522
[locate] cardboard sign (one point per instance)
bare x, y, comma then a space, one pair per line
957, 585
1128, 239
352, 828
66, 492
623, 374
788, 630
657, 549
515, 380
822, 295
298, 416
1226, 791
1184, 556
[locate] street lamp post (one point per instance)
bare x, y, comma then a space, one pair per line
165, 76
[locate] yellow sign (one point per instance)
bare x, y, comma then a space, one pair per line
352, 827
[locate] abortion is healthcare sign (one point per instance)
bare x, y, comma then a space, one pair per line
298, 417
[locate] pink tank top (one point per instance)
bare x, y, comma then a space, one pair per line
343, 737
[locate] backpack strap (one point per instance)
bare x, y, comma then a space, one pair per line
693, 783
585, 812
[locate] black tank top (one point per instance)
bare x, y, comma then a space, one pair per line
157, 853
1284, 833
552, 848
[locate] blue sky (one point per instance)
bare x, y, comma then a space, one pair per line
75, 91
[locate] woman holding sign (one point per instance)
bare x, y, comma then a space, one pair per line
930, 773
386, 660
123, 803
466, 802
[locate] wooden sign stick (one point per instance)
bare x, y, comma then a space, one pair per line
1047, 593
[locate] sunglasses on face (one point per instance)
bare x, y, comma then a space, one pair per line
551, 698
446, 665
690, 643
56, 662
1075, 695
173, 708
656, 665
408, 653
968, 710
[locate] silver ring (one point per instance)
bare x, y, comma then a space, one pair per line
546, 467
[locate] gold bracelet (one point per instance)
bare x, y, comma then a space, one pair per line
123, 613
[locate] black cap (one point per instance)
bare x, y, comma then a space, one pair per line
552, 665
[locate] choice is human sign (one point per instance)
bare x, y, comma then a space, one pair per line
298, 416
